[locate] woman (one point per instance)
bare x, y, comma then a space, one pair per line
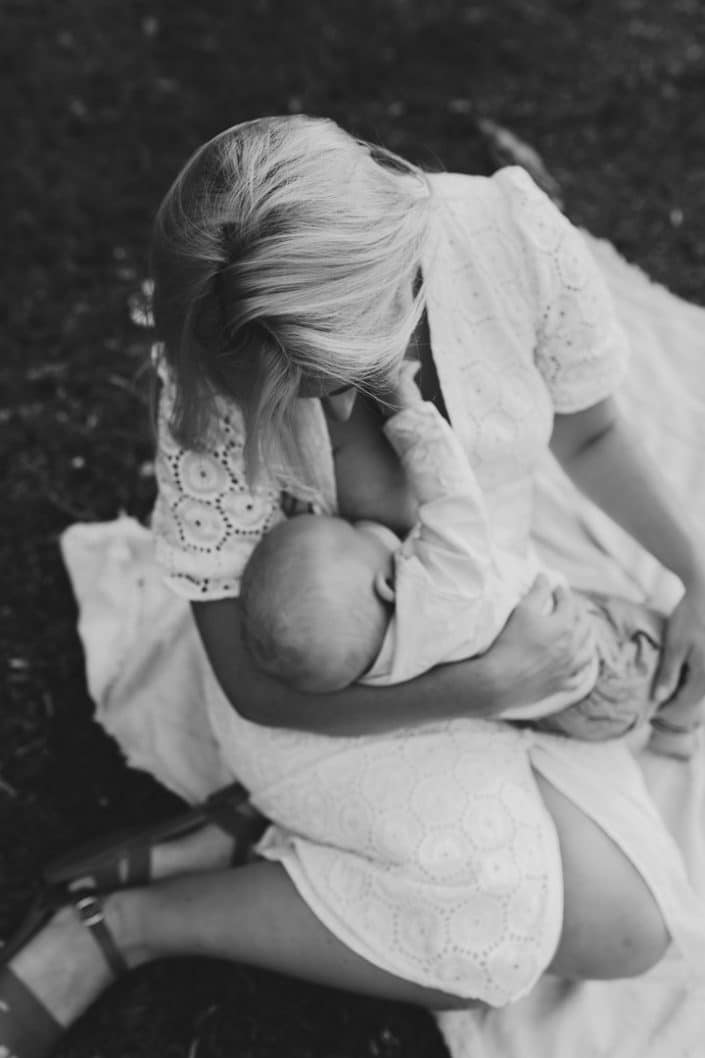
292, 263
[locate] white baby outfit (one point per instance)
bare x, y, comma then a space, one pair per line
454, 588
428, 852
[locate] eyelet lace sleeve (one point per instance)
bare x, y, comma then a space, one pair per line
207, 520
581, 349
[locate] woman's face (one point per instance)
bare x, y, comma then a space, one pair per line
338, 401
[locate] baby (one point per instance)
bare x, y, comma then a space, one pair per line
327, 603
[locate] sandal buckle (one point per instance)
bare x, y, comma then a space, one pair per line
89, 910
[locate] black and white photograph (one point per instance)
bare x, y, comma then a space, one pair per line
352, 622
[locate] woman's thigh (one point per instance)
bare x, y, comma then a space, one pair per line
612, 924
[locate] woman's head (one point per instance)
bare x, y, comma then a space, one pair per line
284, 257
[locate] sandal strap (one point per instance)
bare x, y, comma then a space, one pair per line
90, 911
232, 810
134, 866
125, 859
27, 1028
129, 867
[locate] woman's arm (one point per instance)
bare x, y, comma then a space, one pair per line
535, 656
600, 453
604, 459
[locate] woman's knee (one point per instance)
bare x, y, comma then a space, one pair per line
644, 936
621, 934
627, 940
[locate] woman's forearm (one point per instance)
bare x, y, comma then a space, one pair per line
469, 688
611, 468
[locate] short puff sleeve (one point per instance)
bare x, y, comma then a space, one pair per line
207, 520
581, 351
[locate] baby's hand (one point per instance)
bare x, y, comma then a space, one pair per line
403, 392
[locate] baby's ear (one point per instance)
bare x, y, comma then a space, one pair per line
384, 586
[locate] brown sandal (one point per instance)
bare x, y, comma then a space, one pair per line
122, 860
27, 1028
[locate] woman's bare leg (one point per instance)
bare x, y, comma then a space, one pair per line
612, 927
612, 923
250, 915
208, 849
255, 915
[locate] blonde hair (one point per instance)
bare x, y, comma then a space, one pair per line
310, 613
281, 254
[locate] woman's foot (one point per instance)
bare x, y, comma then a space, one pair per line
207, 849
63, 966
218, 833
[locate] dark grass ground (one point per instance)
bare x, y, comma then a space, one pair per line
100, 103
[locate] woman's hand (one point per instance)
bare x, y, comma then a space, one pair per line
544, 649
679, 683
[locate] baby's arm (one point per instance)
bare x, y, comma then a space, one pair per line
454, 591
434, 462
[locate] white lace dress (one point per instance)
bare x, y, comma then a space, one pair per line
428, 852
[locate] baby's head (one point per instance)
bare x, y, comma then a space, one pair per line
316, 597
